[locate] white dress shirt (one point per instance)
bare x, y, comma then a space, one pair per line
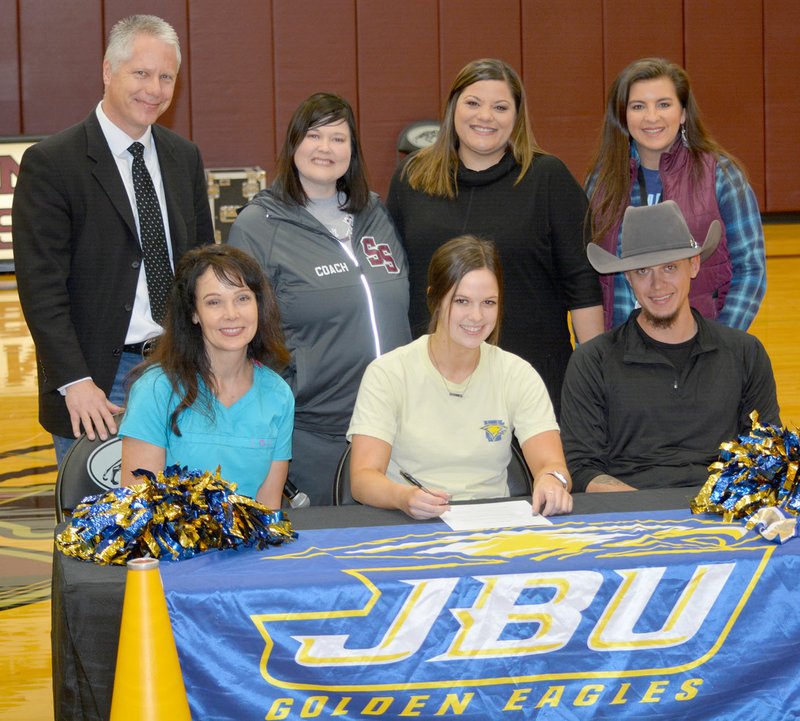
142, 325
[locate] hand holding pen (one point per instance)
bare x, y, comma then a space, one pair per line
425, 502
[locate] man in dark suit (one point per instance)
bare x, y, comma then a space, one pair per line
92, 297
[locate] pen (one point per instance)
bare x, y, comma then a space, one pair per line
414, 482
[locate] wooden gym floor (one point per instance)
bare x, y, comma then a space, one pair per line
28, 473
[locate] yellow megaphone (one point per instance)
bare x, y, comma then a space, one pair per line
148, 685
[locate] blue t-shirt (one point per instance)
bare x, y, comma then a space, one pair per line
652, 181
244, 439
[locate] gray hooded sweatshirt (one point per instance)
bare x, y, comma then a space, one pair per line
338, 312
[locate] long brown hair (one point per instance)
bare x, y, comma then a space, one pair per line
317, 110
609, 170
432, 170
181, 351
450, 263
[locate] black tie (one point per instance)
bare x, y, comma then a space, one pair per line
157, 269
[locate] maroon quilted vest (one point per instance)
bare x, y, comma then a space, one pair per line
697, 200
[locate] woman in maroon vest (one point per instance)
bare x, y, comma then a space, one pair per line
653, 146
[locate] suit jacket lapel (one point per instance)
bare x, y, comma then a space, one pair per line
106, 171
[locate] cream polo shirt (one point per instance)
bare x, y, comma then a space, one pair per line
461, 445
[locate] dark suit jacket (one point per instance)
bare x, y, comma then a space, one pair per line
77, 254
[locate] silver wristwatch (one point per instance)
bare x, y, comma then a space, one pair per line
561, 477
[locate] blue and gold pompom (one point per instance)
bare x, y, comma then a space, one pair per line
756, 471
173, 516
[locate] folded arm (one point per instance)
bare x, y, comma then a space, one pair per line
270, 493
607, 484
138, 454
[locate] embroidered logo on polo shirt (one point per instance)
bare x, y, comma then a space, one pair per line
494, 430
379, 254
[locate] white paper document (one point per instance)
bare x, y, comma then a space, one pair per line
506, 514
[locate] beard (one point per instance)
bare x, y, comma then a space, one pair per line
659, 322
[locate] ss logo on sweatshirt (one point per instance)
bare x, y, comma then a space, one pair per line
379, 254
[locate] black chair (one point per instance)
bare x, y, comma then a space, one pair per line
416, 135
92, 467
520, 480
88, 468
341, 484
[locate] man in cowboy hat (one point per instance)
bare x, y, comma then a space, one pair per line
647, 404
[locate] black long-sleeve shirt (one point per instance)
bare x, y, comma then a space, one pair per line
538, 227
627, 411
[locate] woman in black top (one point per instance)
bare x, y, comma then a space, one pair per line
486, 176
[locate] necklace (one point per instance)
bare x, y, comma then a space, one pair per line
450, 392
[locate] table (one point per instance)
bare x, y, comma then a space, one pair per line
87, 602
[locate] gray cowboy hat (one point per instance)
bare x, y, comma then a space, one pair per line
653, 235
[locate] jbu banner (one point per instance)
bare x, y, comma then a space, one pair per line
669, 616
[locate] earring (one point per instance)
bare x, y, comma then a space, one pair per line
684, 139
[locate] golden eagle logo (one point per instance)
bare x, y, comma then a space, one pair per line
494, 430
571, 539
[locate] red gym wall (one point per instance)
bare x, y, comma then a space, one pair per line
247, 63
